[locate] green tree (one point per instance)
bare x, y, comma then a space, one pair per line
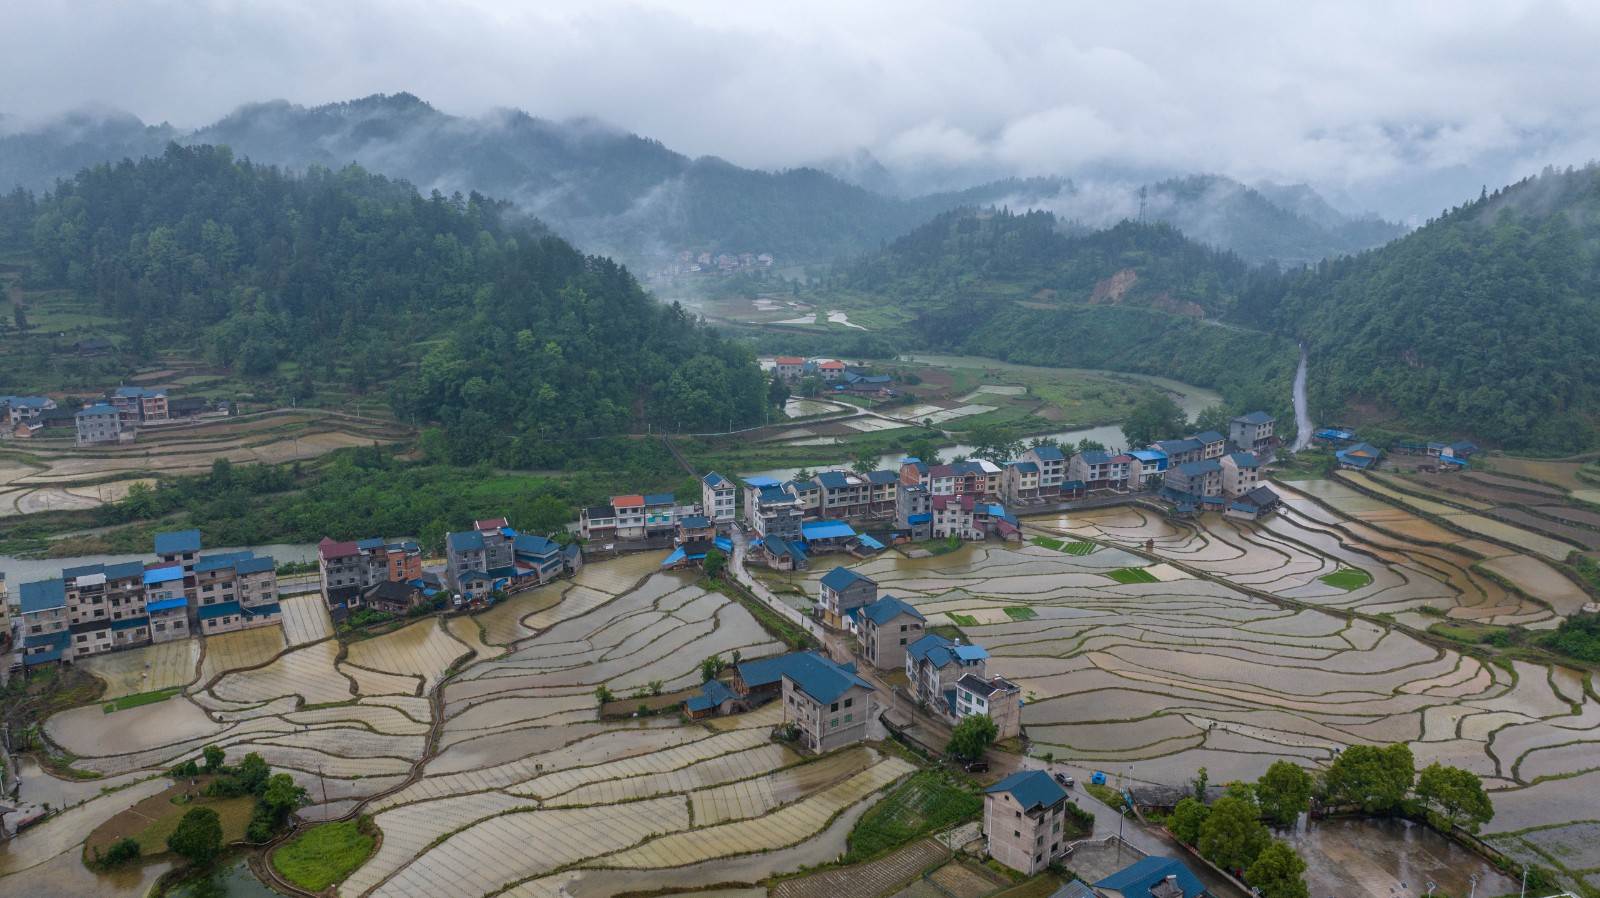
1213, 417
777, 391
602, 694
1374, 779
214, 757
811, 387
252, 773
924, 450
1284, 792
1088, 445
710, 667
994, 443
1278, 872
972, 737
282, 795
121, 852
716, 562
1202, 780
1187, 819
198, 837
864, 461
1232, 835
1455, 795
1154, 417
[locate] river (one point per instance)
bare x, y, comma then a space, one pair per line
1302, 413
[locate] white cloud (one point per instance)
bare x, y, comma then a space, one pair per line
1356, 97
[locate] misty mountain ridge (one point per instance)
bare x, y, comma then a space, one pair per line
615, 192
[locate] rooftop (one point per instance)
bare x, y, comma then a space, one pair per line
1031, 789
43, 595
887, 609
1136, 880
177, 542
841, 578
1254, 418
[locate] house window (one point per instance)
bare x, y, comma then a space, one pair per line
849, 702
849, 717
834, 707
1016, 834
833, 724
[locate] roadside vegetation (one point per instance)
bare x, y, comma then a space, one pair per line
325, 854
930, 801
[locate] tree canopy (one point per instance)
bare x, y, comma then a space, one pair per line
198, 837
1375, 779
970, 738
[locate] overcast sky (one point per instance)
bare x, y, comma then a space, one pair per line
1366, 101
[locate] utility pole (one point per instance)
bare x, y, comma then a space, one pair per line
1141, 204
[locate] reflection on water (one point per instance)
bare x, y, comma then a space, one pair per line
65, 876
235, 881
1373, 857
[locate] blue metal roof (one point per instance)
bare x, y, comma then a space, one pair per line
1245, 459
266, 610
712, 694
1255, 418
43, 595
774, 494
1095, 456
1139, 877
1048, 453
464, 541
254, 565
1031, 789
1209, 436
833, 480
970, 652
919, 518
371, 542
822, 679
883, 477
56, 646
166, 604
96, 410
1177, 447
128, 623
220, 562
842, 578
869, 542
694, 522
124, 570
759, 482
163, 575
220, 609
716, 481
177, 542
723, 543
826, 530
659, 499
887, 609
1155, 455
1025, 467
1197, 468
675, 556
529, 544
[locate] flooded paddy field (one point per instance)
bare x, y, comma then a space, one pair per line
465, 763
1156, 679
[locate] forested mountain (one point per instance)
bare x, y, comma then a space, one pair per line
521, 340
1482, 323
618, 193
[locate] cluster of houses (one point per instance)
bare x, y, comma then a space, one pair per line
1354, 454
690, 262
839, 377
100, 607
114, 418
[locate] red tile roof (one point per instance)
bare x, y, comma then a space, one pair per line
789, 360
831, 365
491, 524
634, 501
329, 548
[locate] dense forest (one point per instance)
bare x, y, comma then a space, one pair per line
507, 336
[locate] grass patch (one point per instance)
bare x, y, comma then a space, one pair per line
1471, 633
141, 698
1048, 542
325, 854
963, 620
948, 631
930, 800
1021, 613
1042, 886
1132, 575
1107, 795
1078, 548
1347, 579
1307, 464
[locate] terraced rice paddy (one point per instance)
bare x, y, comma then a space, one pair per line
506, 753
1161, 678
146, 669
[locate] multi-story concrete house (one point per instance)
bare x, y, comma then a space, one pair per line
770, 510
830, 369
882, 486
1196, 478
494, 556
178, 547
830, 703
106, 607
977, 477
887, 627
1241, 473
694, 528
934, 663
98, 424
1052, 464
1100, 470
808, 496
1147, 470
235, 591
1022, 483
167, 603
1180, 451
842, 591
486, 547
137, 405
997, 697
629, 516
842, 494
661, 514
788, 367
717, 497
42, 614
349, 569
1253, 504
1254, 432
955, 516
1023, 819
16, 409
913, 511
1212, 444
941, 480
597, 523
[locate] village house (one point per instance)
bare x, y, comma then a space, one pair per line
788, 367
1212, 444
1241, 473
831, 704
629, 511
1359, 457
808, 497
934, 663
694, 528
1179, 452
1253, 504
99, 424
17, 409
913, 511
995, 696
717, 497
1254, 432
770, 510
393, 596
1196, 478
1333, 436
486, 547
1147, 470
349, 569
167, 603
882, 488
887, 627
41, 609
1021, 483
842, 591
1023, 819
597, 522
830, 370
235, 591
493, 556
137, 405
1100, 470
1052, 463
106, 607
1153, 877
842, 495
178, 547
955, 516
